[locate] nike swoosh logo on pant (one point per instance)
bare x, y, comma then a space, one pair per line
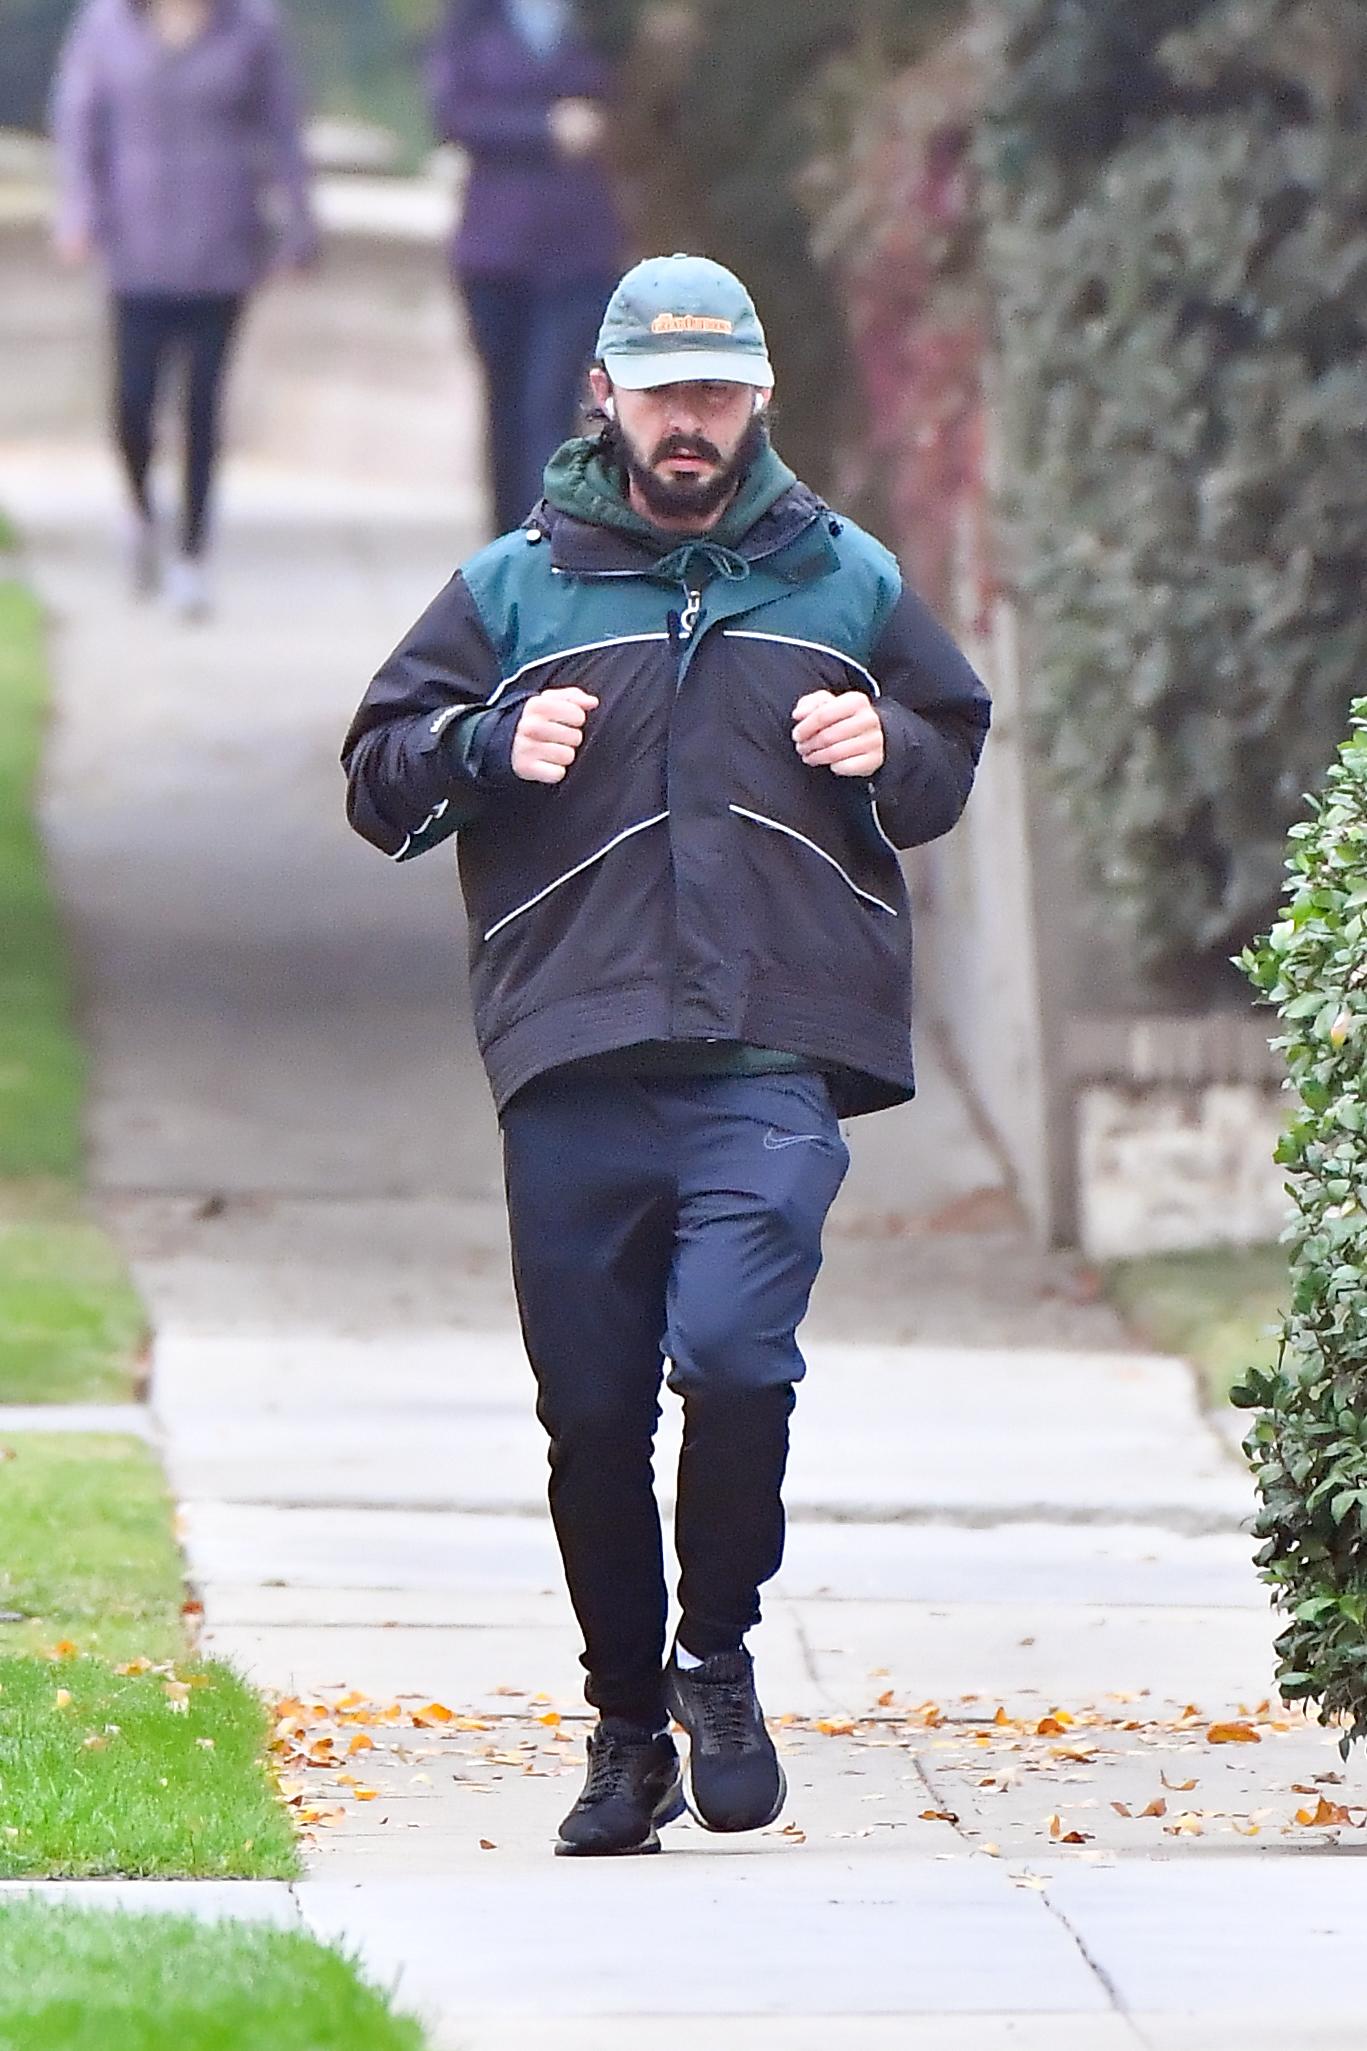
774, 1142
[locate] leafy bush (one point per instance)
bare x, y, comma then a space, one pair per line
1179, 249
1308, 1444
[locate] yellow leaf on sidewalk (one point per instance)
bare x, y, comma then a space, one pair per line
1326, 1815
1232, 1734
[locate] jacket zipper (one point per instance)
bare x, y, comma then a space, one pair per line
682, 626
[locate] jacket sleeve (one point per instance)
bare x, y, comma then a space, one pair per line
486, 124
281, 115
411, 779
935, 713
77, 122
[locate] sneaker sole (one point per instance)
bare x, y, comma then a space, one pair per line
671, 1810
732, 1829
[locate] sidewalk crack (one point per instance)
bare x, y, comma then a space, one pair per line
941, 1803
1095, 1968
806, 1648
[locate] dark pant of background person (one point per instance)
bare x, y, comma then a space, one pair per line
680, 1218
536, 343
150, 330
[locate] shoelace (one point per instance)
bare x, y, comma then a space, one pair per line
727, 1712
608, 1768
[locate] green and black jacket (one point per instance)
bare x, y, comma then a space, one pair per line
691, 880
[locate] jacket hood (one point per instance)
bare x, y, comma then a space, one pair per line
595, 531
583, 481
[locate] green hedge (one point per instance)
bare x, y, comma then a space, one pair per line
1179, 248
1308, 1444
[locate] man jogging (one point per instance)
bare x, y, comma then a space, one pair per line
682, 720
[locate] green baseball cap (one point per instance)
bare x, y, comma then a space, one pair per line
683, 319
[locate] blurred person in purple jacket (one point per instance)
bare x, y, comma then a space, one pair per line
540, 246
181, 167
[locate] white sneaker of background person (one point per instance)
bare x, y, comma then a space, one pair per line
187, 588
142, 554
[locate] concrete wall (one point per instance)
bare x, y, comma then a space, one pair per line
1164, 1169
1127, 1131
985, 974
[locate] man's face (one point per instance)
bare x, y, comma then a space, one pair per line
686, 445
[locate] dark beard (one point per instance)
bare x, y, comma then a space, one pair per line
685, 497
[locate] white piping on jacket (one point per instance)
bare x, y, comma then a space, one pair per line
560, 655
418, 831
821, 648
445, 717
817, 648
890, 845
577, 870
777, 826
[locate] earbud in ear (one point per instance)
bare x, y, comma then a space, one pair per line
610, 408
759, 402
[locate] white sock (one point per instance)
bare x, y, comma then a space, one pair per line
684, 1658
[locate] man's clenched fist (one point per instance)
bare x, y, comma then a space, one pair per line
549, 732
843, 734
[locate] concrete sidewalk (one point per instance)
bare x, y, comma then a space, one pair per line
995, 1503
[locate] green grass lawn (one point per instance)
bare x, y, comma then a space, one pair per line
153, 1775
1220, 1309
103, 1772
90, 1980
87, 1550
70, 1327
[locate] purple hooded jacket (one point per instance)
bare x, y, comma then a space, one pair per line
529, 212
170, 160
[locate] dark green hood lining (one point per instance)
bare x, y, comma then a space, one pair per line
582, 481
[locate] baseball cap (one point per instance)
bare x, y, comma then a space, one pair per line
682, 319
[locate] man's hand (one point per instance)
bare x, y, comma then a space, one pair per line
843, 734
548, 734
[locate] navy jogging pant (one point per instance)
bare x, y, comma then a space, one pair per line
656, 1219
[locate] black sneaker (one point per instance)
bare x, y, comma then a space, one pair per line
631, 1789
733, 1779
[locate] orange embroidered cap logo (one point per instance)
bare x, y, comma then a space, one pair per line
690, 324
